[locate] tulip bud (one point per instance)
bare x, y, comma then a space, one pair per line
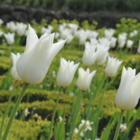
14, 70
66, 72
34, 63
128, 93
84, 78
112, 66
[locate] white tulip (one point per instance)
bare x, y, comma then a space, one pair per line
84, 78
34, 63
62, 27
93, 41
122, 39
14, 70
66, 72
113, 42
122, 43
89, 56
112, 66
128, 95
56, 35
131, 35
69, 38
12, 26
9, 38
102, 55
48, 30
109, 33
93, 34
82, 35
129, 43
21, 27
104, 42
73, 27
138, 49
50, 27
1, 21
66, 32
135, 32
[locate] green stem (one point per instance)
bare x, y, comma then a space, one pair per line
99, 106
7, 109
109, 84
54, 112
118, 126
75, 115
87, 114
14, 111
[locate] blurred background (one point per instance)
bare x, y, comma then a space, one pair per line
79, 5
106, 12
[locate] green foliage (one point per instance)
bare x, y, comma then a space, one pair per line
31, 130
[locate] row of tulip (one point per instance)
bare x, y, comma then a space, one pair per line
71, 31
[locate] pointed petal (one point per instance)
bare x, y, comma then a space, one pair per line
32, 39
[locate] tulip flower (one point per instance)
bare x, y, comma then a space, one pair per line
138, 49
34, 63
129, 43
69, 38
1, 21
135, 32
56, 35
82, 35
93, 34
93, 41
122, 43
102, 55
112, 66
14, 70
9, 38
109, 33
21, 27
12, 26
89, 56
66, 72
104, 42
122, 39
73, 27
128, 95
65, 32
48, 30
84, 78
113, 42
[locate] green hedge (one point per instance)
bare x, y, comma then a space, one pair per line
31, 130
45, 108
